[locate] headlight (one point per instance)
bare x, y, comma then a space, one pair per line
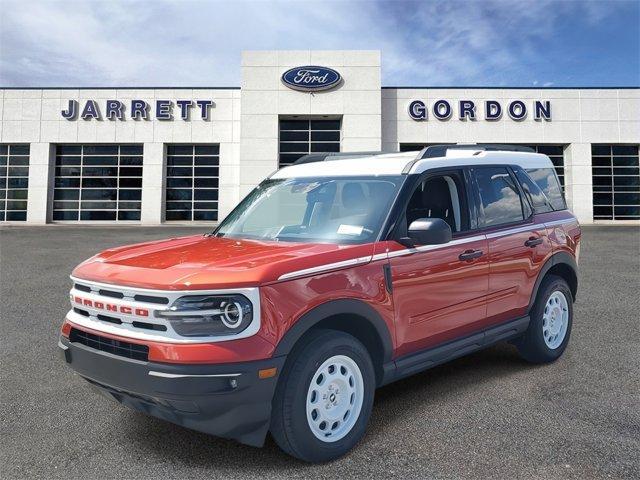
209, 315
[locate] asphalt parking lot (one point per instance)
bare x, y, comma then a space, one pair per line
489, 415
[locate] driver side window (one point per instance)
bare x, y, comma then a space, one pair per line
440, 196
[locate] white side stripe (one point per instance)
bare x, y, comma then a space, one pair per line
425, 248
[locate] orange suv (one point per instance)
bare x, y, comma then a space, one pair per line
331, 278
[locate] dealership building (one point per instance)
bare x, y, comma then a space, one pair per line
164, 155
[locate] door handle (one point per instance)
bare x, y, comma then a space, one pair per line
470, 255
533, 241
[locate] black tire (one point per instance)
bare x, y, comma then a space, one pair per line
532, 346
289, 425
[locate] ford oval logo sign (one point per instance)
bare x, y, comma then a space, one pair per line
311, 78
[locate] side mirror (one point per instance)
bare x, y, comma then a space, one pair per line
427, 231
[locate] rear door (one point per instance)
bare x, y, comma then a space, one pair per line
517, 246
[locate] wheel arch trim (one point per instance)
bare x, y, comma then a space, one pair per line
558, 258
333, 308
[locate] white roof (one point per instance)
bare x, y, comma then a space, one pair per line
395, 163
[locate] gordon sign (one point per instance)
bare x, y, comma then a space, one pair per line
311, 78
491, 110
136, 109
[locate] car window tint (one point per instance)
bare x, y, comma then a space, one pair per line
499, 196
536, 196
547, 180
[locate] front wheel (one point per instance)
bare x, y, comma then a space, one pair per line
324, 399
550, 322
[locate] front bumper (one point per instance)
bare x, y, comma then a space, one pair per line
227, 400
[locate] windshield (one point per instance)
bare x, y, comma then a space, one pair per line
320, 209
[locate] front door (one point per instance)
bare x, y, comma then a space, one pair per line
439, 291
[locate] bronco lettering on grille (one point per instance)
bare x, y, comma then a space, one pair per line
110, 307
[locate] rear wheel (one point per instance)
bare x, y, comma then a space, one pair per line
324, 399
550, 322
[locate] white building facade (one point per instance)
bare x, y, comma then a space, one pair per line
153, 156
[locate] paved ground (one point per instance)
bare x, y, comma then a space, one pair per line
487, 415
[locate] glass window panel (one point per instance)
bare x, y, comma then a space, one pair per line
18, 171
100, 150
203, 194
129, 214
179, 161
325, 147
286, 147
130, 194
325, 124
622, 201
69, 149
624, 150
323, 136
61, 194
294, 124
294, 136
207, 150
179, 194
97, 215
131, 171
100, 194
131, 150
108, 161
105, 182
4, 149
178, 215
205, 205
133, 161
500, 198
625, 161
3, 160
20, 182
18, 150
205, 182
128, 205
68, 160
24, 161
17, 194
16, 205
131, 182
180, 150
209, 215
189, 169
96, 184
16, 216
179, 182
206, 161
98, 205
206, 172
600, 149
65, 215
179, 206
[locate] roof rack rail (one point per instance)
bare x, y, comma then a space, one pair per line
433, 151
327, 156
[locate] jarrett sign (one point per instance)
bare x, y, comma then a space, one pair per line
137, 109
490, 110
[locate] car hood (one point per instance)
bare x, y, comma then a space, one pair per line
206, 262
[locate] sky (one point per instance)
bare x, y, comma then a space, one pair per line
533, 43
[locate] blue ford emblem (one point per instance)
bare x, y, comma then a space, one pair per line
311, 78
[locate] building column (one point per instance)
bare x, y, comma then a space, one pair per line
154, 162
41, 175
579, 181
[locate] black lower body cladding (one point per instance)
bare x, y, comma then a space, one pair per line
225, 400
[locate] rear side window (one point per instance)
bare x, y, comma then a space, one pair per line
499, 196
536, 196
547, 180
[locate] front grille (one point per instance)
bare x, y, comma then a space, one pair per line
105, 344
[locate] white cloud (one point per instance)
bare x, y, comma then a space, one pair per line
198, 43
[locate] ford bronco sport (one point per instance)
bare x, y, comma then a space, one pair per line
330, 279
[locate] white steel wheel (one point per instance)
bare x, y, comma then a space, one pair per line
334, 398
555, 320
